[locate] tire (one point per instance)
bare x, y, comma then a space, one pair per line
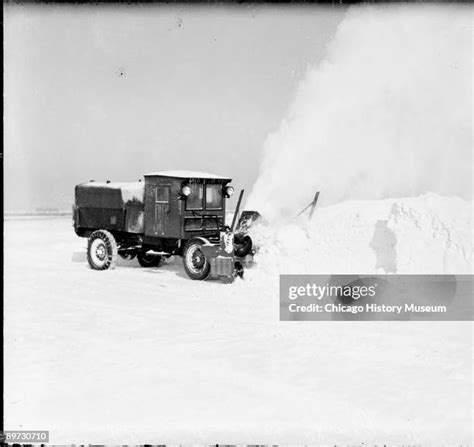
196, 265
148, 260
128, 256
102, 250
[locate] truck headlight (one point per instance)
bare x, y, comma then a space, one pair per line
229, 190
185, 191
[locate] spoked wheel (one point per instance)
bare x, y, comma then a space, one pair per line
101, 250
195, 262
148, 260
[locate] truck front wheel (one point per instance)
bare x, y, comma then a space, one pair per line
195, 263
102, 250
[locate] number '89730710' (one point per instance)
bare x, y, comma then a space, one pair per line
29, 436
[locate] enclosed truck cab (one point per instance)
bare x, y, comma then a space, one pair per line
170, 213
181, 205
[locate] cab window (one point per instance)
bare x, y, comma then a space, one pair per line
214, 197
162, 197
162, 194
194, 200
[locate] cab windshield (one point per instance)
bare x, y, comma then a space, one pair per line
214, 197
194, 201
205, 196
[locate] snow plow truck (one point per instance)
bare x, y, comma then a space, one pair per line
171, 213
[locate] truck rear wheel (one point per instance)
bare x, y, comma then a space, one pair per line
196, 265
148, 260
102, 250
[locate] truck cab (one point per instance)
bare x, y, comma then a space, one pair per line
170, 213
182, 205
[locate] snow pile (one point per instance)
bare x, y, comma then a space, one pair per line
433, 234
428, 234
386, 114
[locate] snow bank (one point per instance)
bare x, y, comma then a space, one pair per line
433, 234
427, 234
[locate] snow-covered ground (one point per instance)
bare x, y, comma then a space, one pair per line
139, 355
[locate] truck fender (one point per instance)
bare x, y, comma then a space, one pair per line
204, 240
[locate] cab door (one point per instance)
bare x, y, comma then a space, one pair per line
162, 210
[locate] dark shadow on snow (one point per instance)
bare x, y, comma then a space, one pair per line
383, 243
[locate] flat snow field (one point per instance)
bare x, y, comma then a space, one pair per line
139, 355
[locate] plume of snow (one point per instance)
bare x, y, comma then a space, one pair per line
387, 113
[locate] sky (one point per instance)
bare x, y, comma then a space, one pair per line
109, 92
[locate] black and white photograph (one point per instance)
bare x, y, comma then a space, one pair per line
238, 223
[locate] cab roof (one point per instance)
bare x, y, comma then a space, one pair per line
187, 174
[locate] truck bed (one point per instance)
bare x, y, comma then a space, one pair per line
109, 206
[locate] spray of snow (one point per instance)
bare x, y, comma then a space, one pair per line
386, 115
